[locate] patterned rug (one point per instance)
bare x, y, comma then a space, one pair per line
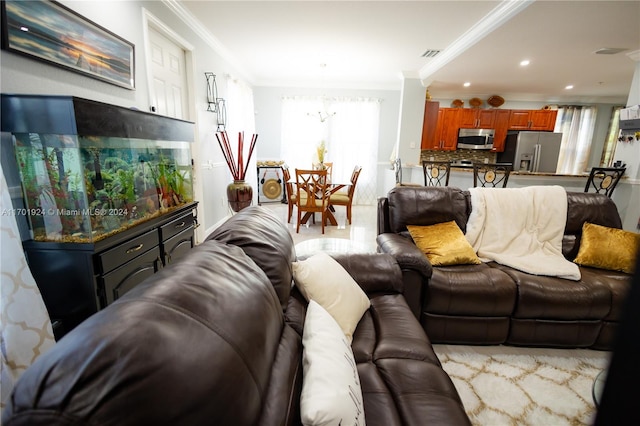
502, 385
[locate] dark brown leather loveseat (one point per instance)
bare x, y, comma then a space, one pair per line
216, 339
494, 304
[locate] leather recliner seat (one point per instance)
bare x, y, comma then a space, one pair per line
496, 304
216, 338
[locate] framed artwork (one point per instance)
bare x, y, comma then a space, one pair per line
51, 32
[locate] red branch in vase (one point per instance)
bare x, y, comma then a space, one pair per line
238, 169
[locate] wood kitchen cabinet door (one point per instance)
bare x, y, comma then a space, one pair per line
501, 125
448, 125
543, 119
475, 118
519, 119
486, 118
536, 119
429, 125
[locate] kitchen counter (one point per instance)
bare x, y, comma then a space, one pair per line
518, 173
626, 195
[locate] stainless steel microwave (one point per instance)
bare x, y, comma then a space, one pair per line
475, 138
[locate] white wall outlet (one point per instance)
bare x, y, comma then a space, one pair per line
412, 145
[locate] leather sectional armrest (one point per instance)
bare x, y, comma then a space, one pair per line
374, 272
405, 252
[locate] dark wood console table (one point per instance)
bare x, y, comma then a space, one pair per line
78, 279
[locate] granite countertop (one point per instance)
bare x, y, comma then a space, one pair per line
518, 173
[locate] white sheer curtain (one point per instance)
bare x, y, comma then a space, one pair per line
241, 118
240, 109
576, 124
350, 135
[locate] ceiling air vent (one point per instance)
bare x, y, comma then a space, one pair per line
609, 50
431, 53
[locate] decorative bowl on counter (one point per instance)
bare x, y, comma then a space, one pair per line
495, 101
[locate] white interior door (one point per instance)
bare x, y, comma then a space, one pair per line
168, 70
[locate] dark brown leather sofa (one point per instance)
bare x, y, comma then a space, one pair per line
216, 339
494, 304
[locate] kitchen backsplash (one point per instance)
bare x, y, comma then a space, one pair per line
459, 154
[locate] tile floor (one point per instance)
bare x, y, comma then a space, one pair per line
362, 230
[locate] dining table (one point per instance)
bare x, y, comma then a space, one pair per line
331, 188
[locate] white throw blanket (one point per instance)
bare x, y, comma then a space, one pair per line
521, 228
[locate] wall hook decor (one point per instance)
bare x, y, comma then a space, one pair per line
212, 92
222, 114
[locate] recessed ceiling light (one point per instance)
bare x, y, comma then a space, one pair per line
467, 84
569, 87
524, 63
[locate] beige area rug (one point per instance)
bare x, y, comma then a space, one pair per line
502, 385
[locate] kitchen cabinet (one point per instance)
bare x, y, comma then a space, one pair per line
447, 129
429, 124
542, 119
501, 128
78, 279
475, 118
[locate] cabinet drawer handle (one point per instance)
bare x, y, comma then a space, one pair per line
136, 248
180, 225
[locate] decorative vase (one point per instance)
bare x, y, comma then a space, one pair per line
239, 194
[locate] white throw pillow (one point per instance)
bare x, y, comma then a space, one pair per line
331, 393
323, 279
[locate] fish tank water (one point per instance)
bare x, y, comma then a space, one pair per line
103, 175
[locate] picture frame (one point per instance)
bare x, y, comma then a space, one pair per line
51, 32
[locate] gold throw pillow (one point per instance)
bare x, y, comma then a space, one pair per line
608, 248
444, 244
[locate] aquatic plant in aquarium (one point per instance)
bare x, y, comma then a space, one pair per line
86, 188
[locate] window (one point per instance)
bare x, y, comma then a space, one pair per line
576, 124
609, 148
348, 126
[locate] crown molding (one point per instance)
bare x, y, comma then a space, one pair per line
201, 31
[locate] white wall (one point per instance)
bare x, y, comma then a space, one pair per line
268, 107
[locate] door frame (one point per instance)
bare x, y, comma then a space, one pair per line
150, 20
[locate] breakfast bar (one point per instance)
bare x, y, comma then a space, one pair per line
626, 195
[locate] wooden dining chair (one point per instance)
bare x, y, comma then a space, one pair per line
436, 173
604, 179
491, 175
345, 198
311, 195
329, 167
291, 192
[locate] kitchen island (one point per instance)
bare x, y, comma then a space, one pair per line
626, 195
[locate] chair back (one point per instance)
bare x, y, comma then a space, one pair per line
329, 168
604, 179
286, 175
436, 173
491, 175
311, 189
354, 179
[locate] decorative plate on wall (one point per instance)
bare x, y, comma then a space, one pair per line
475, 102
457, 103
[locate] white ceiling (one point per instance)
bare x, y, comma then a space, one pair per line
371, 44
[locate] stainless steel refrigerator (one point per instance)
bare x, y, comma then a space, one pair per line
532, 151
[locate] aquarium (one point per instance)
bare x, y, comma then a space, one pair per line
82, 187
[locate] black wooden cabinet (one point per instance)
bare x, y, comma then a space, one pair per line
77, 280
